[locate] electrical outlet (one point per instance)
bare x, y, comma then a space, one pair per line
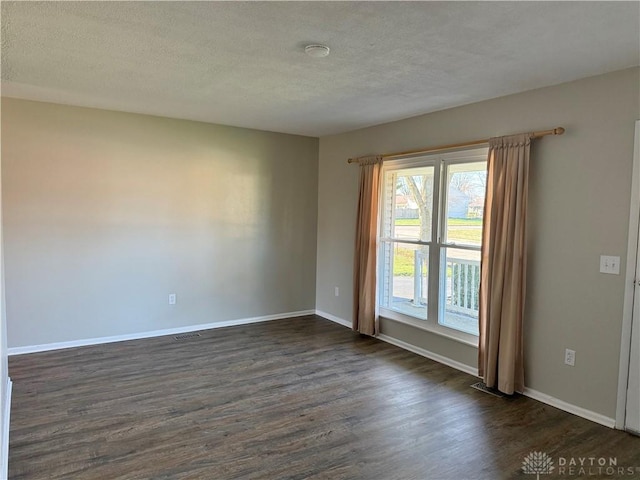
570, 357
172, 299
337, 291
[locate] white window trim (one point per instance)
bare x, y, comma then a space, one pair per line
429, 326
437, 160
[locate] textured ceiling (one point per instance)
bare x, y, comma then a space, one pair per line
243, 63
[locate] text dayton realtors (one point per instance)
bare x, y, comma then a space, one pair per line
592, 466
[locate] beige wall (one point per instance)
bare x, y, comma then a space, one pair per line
579, 209
106, 213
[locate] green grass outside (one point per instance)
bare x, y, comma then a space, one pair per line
403, 264
466, 236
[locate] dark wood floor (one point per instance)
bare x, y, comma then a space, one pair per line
291, 399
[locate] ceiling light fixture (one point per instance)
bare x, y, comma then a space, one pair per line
317, 51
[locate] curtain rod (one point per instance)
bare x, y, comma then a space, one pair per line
385, 156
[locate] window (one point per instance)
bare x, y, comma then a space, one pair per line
430, 239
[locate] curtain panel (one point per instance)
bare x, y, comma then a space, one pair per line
365, 317
503, 264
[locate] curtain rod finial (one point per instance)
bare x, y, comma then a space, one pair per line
558, 131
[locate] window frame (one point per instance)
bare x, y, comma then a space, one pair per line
441, 162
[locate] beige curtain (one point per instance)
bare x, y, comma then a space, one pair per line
365, 318
503, 267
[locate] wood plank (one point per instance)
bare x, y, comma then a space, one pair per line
296, 399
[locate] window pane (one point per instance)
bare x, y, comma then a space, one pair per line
409, 203
466, 185
459, 284
404, 281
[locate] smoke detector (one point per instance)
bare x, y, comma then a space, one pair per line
317, 51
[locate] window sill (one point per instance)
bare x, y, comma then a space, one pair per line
430, 327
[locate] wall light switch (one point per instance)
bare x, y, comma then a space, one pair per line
609, 264
172, 299
337, 291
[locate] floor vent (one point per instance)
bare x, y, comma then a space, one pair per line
491, 391
185, 336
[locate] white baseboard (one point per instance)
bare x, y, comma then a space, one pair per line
155, 333
406, 346
333, 318
430, 355
534, 394
6, 419
570, 408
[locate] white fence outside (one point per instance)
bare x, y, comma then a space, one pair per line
462, 284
